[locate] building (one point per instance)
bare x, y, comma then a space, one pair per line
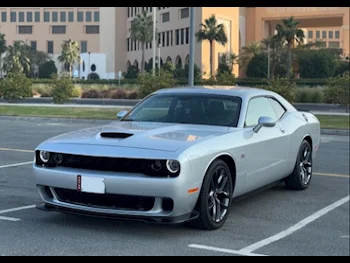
105, 30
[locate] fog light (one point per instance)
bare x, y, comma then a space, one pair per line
58, 158
45, 156
157, 166
173, 166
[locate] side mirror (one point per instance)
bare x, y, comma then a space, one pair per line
121, 114
264, 122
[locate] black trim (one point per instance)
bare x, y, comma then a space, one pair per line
155, 220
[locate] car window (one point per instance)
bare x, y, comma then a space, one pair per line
257, 108
203, 109
277, 107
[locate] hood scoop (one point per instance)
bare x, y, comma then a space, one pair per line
115, 135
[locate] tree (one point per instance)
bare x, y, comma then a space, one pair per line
141, 30
213, 32
276, 50
16, 59
289, 32
70, 54
37, 59
2, 50
248, 52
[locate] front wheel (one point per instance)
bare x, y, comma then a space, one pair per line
215, 197
301, 177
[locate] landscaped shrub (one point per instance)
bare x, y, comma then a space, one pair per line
91, 94
47, 70
309, 95
118, 94
131, 72
225, 78
77, 91
133, 95
283, 87
16, 86
338, 90
62, 88
149, 83
316, 63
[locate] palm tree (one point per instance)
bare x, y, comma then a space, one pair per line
289, 32
70, 54
141, 30
213, 32
229, 59
16, 59
247, 53
2, 50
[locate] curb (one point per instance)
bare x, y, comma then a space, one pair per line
90, 121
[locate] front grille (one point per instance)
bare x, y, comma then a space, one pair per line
109, 164
111, 201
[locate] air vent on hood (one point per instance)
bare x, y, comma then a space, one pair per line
115, 135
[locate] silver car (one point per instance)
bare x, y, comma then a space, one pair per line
179, 156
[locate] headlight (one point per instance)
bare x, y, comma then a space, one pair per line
58, 158
173, 166
44, 156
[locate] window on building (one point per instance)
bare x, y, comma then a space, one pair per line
177, 37
337, 34
46, 16
58, 30
54, 16
96, 16
33, 45
333, 44
70, 16
25, 30
165, 17
187, 35
50, 47
20, 16
80, 16
128, 11
88, 16
83, 47
310, 34
184, 13
131, 11
128, 43
324, 34
29, 16
3, 17
318, 34
63, 16
163, 39
182, 36
330, 34
13, 16
167, 38
171, 37
92, 30
37, 16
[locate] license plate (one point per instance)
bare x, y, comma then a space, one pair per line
87, 184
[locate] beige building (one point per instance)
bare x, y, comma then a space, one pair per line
45, 28
105, 30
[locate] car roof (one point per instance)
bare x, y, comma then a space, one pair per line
243, 92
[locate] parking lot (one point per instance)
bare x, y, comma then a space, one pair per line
272, 222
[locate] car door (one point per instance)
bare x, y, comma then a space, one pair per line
267, 149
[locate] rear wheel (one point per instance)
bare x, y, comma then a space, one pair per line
215, 197
301, 177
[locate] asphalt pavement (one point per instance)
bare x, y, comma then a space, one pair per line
271, 222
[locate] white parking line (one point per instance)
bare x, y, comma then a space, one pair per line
9, 218
294, 228
16, 209
225, 250
14, 165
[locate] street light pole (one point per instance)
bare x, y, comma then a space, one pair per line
154, 40
192, 38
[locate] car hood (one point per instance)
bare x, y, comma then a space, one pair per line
143, 135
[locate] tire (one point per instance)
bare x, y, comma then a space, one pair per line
205, 220
301, 177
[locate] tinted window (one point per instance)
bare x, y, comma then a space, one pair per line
190, 109
278, 108
257, 108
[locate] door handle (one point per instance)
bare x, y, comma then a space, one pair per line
282, 130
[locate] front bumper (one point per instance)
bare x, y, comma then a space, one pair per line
144, 198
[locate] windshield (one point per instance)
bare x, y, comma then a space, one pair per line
201, 109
